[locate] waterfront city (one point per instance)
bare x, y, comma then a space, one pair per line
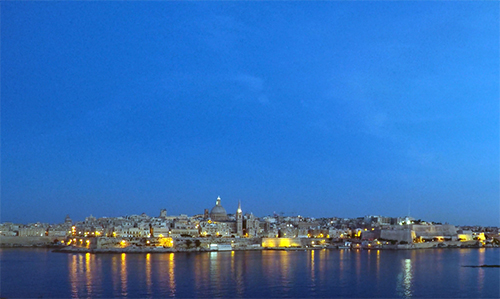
354, 145
217, 230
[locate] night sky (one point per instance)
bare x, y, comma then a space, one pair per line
331, 108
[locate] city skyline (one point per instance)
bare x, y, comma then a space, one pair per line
320, 109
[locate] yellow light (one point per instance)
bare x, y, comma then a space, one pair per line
160, 235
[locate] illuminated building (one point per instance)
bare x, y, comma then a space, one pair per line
218, 213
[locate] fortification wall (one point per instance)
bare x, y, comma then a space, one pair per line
434, 230
7, 241
398, 235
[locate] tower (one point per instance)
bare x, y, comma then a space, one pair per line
68, 221
239, 220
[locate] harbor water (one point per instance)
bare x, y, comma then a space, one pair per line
431, 273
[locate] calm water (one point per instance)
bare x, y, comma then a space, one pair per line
29, 273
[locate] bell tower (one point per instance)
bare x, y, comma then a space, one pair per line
239, 220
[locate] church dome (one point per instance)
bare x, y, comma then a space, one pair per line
218, 213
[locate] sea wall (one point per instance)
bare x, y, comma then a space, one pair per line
8, 241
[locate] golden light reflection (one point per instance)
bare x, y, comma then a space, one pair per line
232, 261
149, 283
341, 263
123, 275
171, 273
115, 272
322, 259
378, 265
285, 269
480, 276
88, 274
73, 268
358, 264
313, 278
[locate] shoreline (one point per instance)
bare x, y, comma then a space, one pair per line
191, 250
57, 247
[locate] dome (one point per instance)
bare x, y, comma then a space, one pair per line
218, 213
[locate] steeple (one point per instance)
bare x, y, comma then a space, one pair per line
239, 220
239, 207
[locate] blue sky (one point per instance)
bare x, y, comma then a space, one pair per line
321, 109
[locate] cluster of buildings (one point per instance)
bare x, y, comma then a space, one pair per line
218, 227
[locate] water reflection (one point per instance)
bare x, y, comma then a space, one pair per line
123, 275
377, 273
215, 272
115, 273
148, 274
403, 274
73, 275
480, 274
81, 274
313, 278
240, 288
171, 274
358, 268
341, 265
201, 268
88, 274
322, 264
285, 271
405, 279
